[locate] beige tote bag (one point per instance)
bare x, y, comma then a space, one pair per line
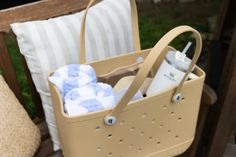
157, 126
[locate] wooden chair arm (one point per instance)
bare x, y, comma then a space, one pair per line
209, 96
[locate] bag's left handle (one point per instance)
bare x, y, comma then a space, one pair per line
135, 29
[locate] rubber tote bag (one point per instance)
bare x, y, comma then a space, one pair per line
157, 126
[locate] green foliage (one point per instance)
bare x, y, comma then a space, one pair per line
157, 19
22, 79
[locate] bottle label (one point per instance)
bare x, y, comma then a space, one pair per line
166, 77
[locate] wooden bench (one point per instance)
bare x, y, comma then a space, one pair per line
43, 10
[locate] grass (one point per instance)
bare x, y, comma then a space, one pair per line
154, 22
22, 79
158, 19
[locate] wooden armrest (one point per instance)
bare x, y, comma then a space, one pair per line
209, 96
56, 154
46, 146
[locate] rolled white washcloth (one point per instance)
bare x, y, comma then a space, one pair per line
91, 98
73, 76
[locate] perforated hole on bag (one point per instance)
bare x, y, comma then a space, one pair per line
144, 115
110, 154
141, 133
109, 136
97, 128
153, 121
121, 141
122, 122
99, 149
131, 146
164, 107
132, 128
150, 138
140, 149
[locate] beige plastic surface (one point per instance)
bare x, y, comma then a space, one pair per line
150, 127
126, 82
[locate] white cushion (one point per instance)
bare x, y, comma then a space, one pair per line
49, 44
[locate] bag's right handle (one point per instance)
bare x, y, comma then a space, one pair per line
135, 29
151, 59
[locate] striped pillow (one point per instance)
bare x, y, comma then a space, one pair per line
49, 44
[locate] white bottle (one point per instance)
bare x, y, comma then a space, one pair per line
171, 71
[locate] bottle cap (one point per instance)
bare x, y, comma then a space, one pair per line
178, 62
179, 59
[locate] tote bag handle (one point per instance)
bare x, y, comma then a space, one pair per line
151, 59
135, 29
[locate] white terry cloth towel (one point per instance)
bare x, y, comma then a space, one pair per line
91, 98
73, 76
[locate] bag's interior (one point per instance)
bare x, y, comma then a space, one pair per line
122, 67
128, 65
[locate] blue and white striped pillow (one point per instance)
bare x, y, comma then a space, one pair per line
49, 44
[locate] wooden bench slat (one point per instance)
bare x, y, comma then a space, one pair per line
56, 154
46, 146
45, 149
209, 96
8, 70
43, 130
39, 10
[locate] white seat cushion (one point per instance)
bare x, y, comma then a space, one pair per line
49, 44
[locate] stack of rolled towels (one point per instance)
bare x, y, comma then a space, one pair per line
82, 93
